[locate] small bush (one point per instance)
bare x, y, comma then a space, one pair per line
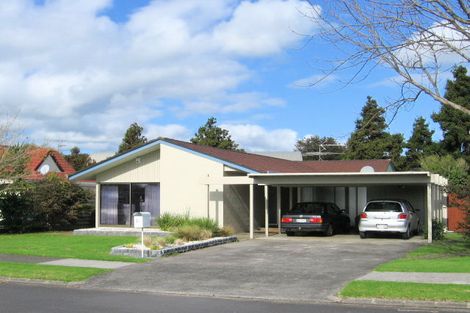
170, 222
224, 231
193, 232
437, 230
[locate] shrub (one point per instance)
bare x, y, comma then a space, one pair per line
224, 231
437, 230
49, 204
192, 232
170, 222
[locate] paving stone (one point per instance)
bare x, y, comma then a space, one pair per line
88, 263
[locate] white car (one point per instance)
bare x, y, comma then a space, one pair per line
389, 216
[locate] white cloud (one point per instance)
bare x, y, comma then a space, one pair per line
256, 138
171, 131
265, 27
73, 74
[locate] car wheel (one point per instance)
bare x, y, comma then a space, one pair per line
406, 235
290, 233
329, 231
363, 234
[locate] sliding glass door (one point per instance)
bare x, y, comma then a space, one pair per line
120, 201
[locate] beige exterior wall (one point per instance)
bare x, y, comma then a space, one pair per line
183, 187
183, 180
142, 169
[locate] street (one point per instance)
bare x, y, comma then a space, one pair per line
24, 298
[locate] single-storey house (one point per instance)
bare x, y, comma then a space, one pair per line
245, 190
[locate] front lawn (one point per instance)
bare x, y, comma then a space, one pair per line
66, 245
47, 272
451, 255
407, 291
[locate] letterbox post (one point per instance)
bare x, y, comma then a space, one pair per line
141, 220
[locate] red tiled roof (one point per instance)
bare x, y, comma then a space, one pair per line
38, 154
265, 164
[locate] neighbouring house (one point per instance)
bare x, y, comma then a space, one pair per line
245, 190
43, 160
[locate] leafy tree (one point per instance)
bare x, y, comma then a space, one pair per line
454, 123
370, 140
313, 144
132, 138
419, 145
79, 160
212, 135
455, 170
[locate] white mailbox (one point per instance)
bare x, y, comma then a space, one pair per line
141, 219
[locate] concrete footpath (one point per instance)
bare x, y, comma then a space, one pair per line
414, 277
62, 262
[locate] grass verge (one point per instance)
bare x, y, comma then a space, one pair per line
451, 255
65, 245
47, 272
407, 291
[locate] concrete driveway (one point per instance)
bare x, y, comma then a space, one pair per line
288, 269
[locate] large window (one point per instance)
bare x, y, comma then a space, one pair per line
120, 201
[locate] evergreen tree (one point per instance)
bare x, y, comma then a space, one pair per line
79, 160
132, 138
370, 140
312, 144
419, 145
212, 135
456, 124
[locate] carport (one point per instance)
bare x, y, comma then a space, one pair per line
351, 191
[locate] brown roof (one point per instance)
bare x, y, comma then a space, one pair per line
266, 164
347, 166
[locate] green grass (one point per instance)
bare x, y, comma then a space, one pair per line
407, 291
451, 255
47, 272
437, 265
65, 245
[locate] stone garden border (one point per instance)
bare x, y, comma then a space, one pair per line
194, 245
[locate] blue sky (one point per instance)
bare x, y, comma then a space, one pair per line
80, 73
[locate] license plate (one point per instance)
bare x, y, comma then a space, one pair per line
301, 220
381, 226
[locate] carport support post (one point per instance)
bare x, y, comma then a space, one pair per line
97, 204
278, 207
266, 210
252, 204
429, 211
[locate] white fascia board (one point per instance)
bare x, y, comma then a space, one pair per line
342, 174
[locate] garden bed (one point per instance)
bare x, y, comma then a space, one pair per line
136, 251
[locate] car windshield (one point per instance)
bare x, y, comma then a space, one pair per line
383, 207
308, 208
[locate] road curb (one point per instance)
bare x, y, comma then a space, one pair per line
406, 303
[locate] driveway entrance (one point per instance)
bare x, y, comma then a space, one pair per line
280, 268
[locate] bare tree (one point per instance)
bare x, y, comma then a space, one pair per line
418, 39
13, 153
